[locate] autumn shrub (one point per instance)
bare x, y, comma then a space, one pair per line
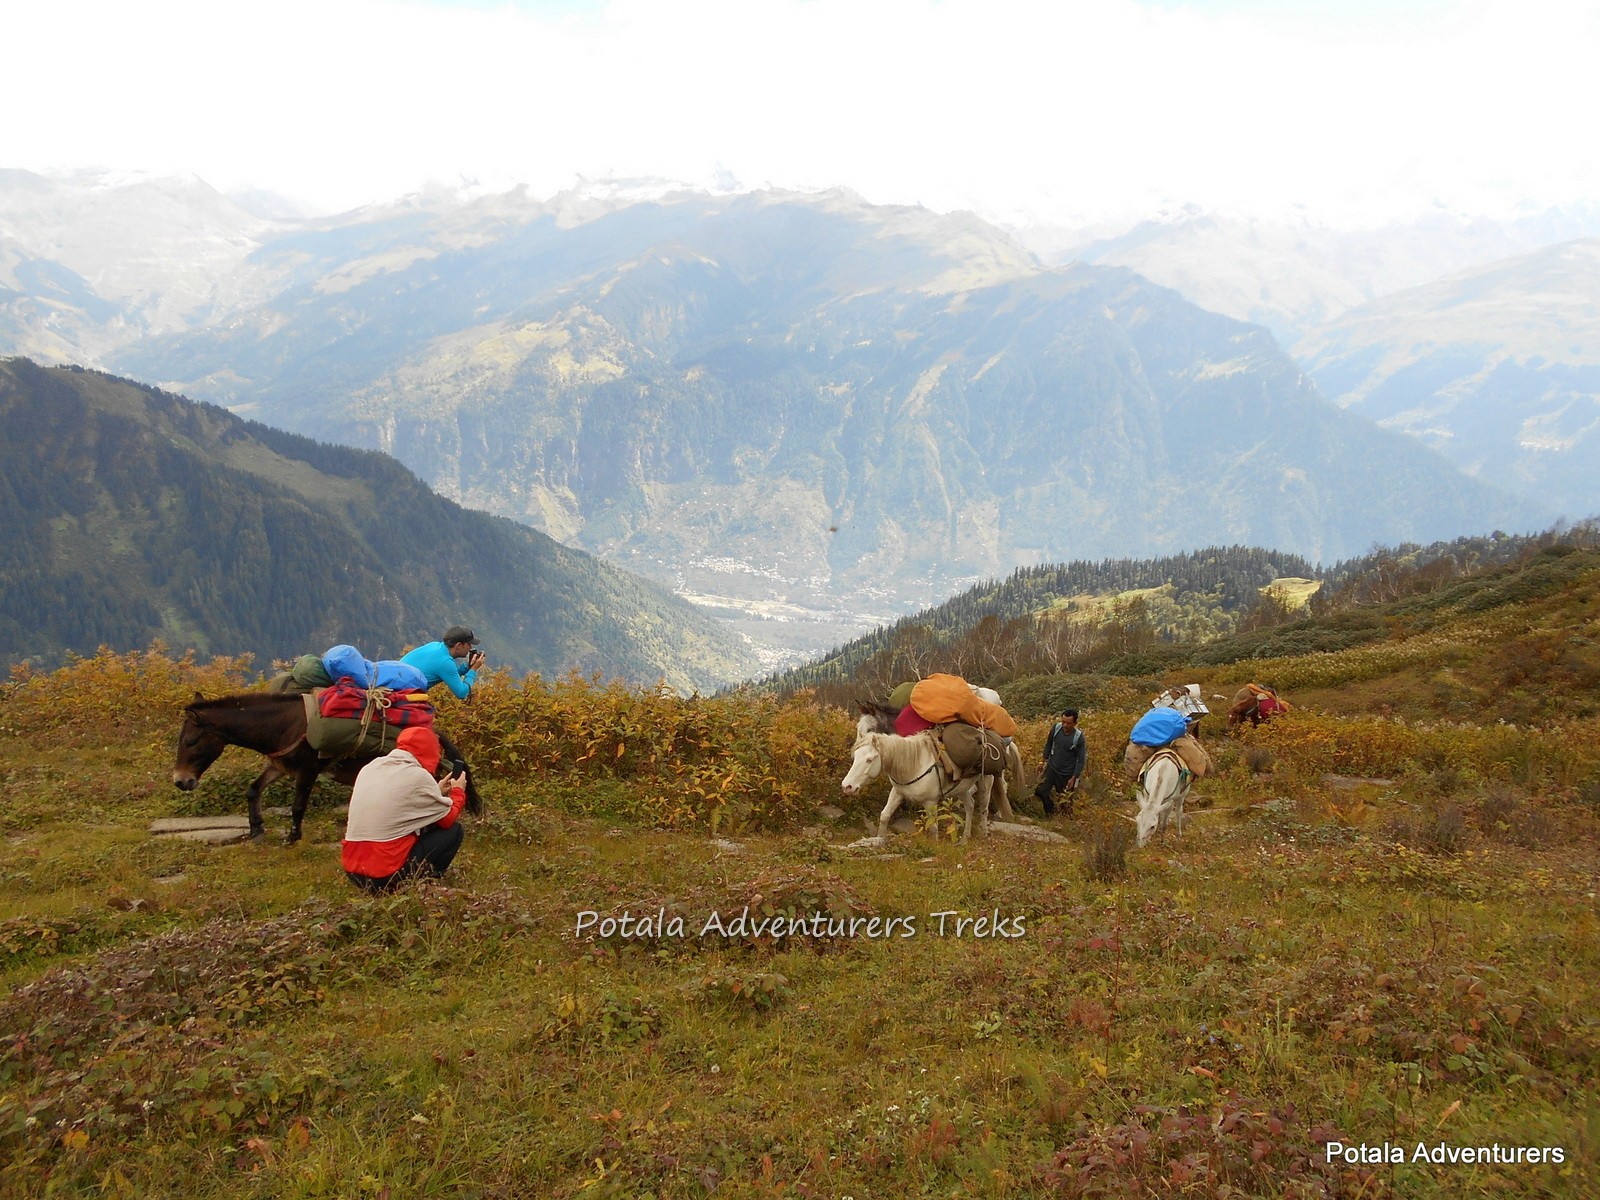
729, 761
110, 697
1438, 829
753, 990
1239, 1148
1504, 814
1462, 1022
610, 1020
1378, 746
1105, 851
1260, 759
737, 760
157, 1034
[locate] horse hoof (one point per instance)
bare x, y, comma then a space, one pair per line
290, 839
257, 834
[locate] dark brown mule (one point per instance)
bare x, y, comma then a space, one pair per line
275, 726
1247, 706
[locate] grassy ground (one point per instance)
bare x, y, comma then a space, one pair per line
1306, 963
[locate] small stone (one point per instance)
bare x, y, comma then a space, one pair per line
830, 812
728, 847
178, 878
866, 843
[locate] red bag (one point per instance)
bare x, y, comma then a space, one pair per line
347, 700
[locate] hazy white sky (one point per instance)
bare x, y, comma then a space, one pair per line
1357, 109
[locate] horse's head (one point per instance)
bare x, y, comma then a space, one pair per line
1162, 788
874, 718
199, 746
865, 765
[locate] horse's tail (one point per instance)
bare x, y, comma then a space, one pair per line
474, 800
1014, 764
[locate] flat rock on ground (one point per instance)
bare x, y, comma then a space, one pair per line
233, 821
866, 843
213, 837
1031, 832
1355, 781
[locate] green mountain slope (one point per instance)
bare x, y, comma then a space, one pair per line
1219, 605
131, 513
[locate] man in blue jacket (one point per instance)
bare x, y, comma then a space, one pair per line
452, 660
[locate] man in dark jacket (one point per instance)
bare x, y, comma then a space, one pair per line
1065, 754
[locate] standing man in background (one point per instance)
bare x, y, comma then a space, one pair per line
1065, 755
452, 661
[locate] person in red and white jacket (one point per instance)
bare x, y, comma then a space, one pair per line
403, 822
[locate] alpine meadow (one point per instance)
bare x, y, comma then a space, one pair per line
938, 599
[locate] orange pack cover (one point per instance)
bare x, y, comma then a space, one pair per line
944, 698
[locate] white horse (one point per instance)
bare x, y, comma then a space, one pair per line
912, 765
879, 718
1163, 787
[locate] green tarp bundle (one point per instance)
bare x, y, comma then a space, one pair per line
335, 737
307, 673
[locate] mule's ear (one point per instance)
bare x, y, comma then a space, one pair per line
866, 709
198, 697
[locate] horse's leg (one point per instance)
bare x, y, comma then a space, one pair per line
1172, 806
966, 825
274, 771
891, 807
474, 801
1013, 760
305, 778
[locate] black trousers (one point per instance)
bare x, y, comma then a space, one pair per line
1049, 784
430, 857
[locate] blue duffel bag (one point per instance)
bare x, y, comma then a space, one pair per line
1159, 727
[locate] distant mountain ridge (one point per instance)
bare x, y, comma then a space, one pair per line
133, 514
1497, 367
1292, 276
91, 261
807, 399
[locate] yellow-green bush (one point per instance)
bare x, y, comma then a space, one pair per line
1561, 755
112, 696
724, 761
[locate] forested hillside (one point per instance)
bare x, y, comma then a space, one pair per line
1215, 606
134, 514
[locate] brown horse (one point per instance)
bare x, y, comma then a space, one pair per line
1255, 704
273, 725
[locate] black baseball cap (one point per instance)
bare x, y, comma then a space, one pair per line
459, 633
